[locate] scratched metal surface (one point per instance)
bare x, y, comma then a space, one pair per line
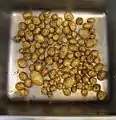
35, 94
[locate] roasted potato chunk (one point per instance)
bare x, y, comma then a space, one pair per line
102, 75
101, 95
36, 78
66, 91
68, 16
96, 88
22, 63
23, 76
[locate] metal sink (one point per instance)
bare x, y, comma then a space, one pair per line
8, 107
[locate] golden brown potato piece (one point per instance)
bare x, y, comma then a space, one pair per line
59, 86
73, 71
24, 92
50, 94
87, 52
66, 75
49, 60
37, 45
66, 69
36, 78
27, 15
52, 73
22, 63
88, 87
45, 83
35, 20
73, 47
79, 21
94, 53
66, 30
75, 62
84, 33
79, 85
85, 79
38, 66
23, 76
67, 62
98, 67
53, 23
29, 36
39, 38
46, 13
54, 17
92, 73
70, 55
51, 51
97, 60
44, 90
69, 82
78, 77
93, 81
81, 42
101, 95
41, 17
28, 21
45, 32
36, 31
32, 49
44, 71
82, 49
17, 38
91, 20
21, 33
92, 31
90, 43
66, 91
63, 51
84, 92
59, 21
87, 25
78, 54
31, 26
19, 85
92, 36
55, 37
25, 45
22, 26
96, 88
27, 56
74, 89
34, 57
90, 59
68, 16
73, 41
102, 75
72, 25
74, 34
65, 23
40, 50
53, 88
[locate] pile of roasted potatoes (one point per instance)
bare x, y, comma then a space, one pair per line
60, 54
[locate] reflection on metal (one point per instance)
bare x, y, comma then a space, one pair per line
56, 118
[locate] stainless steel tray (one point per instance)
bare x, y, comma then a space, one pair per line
35, 94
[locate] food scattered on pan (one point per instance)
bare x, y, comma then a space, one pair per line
58, 56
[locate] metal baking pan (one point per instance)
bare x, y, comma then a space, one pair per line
10, 107
35, 92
